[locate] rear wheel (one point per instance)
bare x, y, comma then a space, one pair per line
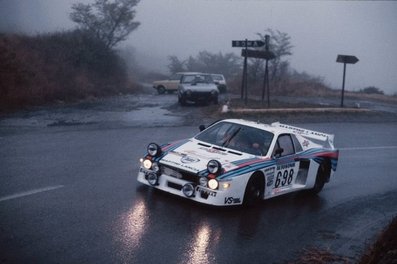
323, 173
161, 89
254, 190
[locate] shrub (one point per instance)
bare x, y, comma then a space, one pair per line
63, 66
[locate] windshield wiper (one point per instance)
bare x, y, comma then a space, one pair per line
227, 141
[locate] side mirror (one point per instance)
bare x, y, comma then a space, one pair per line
278, 152
202, 128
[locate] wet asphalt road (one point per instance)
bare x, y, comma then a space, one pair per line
69, 194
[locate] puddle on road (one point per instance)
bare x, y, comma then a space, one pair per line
148, 116
152, 115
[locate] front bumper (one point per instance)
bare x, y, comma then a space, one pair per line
232, 196
200, 96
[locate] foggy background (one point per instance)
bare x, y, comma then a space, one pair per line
319, 31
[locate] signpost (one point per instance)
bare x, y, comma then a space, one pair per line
345, 59
260, 54
247, 43
267, 55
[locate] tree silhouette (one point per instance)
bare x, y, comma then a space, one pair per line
109, 21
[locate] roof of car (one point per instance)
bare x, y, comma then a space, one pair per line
189, 73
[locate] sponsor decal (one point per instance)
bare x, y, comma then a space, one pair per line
189, 159
269, 173
232, 200
306, 143
207, 192
286, 166
176, 164
211, 150
270, 180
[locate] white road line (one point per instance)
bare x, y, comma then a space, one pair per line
22, 194
369, 148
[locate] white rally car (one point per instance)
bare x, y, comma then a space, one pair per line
241, 162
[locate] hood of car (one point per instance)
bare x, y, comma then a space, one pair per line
194, 155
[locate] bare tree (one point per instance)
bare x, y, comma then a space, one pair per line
110, 21
175, 64
280, 45
227, 64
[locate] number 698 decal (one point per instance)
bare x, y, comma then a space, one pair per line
284, 178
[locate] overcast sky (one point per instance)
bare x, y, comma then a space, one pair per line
319, 30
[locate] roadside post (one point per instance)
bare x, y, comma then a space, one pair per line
345, 59
246, 44
267, 55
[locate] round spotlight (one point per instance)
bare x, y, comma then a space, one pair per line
188, 189
214, 166
213, 184
203, 181
153, 149
152, 178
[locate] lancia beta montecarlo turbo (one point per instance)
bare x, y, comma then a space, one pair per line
236, 162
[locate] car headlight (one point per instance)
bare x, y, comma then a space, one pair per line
213, 184
152, 178
203, 181
188, 190
188, 92
155, 167
153, 149
214, 167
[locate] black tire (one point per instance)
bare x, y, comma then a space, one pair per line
254, 191
161, 89
216, 100
323, 173
181, 100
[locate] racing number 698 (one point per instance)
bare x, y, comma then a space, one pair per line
284, 178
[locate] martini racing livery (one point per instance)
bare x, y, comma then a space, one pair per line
236, 162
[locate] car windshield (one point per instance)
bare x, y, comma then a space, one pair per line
238, 137
198, 78
217, 77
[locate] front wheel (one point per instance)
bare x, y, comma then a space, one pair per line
216, 100
254, 191
182, 100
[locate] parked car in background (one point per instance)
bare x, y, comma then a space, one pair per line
171, 84
199, 87
220, 82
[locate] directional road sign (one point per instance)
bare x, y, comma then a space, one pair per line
250, 43
267, 55
347, 59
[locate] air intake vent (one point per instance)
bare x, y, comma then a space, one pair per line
205, 145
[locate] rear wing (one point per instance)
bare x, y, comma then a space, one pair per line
310, 134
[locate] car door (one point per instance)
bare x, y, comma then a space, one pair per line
286, 167
174, 81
